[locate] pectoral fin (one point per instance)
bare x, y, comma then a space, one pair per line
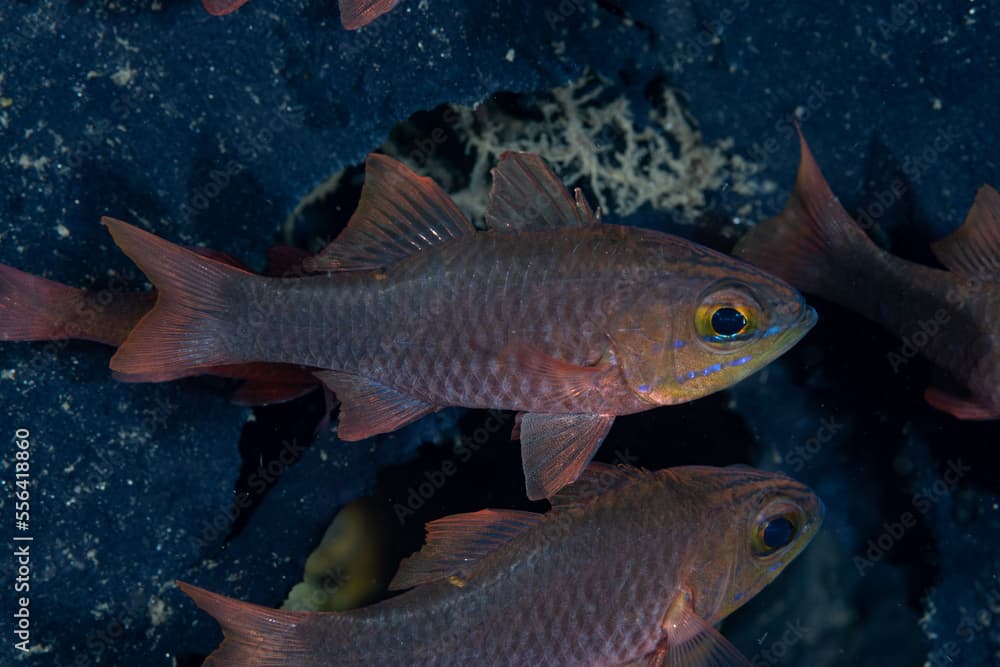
692, 642
368, 408
556, 448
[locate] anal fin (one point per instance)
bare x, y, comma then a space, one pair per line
957, 406
556, 448
368, 408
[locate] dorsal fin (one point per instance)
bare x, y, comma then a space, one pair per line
399, 214
527, 195
455, 542
596, 480
974, 248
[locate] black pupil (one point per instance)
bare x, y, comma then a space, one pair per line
728, 321
778, 532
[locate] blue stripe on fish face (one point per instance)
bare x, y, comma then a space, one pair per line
714, 368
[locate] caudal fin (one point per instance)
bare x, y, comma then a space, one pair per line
356, 14
254, 636
810, 242
35, 308
186, 330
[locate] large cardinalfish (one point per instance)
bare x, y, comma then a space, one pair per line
33, 308
550, 313
629, 568
354, 14
948, 316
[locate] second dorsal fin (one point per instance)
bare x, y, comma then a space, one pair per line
527, 195
596, 480
456, 542
974, 248
399, 214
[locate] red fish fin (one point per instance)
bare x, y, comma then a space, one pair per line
368, 408
962, 408
556, 448
218, 256
974, 248
260, 392
254, 636
527, 195
559, 380
285, 261
184, 331
222, 7
456, 542
356, 14
35, 308
595, 480
399, 214
807, 243
693, 642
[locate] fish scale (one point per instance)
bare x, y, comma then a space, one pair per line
553, 314
588, 585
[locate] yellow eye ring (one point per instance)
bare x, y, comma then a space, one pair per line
774, 533
723, 322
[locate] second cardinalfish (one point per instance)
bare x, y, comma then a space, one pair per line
33, 308
949, 316
550, 313
629, 568
354, 14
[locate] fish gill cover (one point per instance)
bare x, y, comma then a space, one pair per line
215, 131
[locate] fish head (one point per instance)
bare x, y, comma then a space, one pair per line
704, 326
754, 524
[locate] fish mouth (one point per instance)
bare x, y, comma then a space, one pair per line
795, 331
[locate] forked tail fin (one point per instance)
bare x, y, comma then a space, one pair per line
811, 240
254, 636
187, 330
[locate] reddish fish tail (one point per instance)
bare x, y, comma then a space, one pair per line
254, 636
187, 329
813, 241
34, 308
356, 14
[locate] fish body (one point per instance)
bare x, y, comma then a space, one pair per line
550, 313
628, 566
947, 315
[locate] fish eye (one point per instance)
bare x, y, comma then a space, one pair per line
727, 317
728, 321
774, 532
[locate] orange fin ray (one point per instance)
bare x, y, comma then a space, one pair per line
254, 636
556, 448
368, 408
184, 332
356, 14
699, 645
527, 195
399, 214
456, 542
974, 248
807, 243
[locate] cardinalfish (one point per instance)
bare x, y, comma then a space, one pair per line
549, 312
629, 567
948, 315
354, 14
33, 308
